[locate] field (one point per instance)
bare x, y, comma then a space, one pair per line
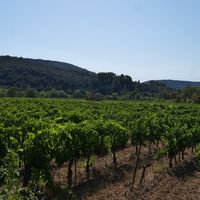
77, 149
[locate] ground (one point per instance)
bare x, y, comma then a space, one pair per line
107, 182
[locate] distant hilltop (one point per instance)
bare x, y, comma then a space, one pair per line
177, 84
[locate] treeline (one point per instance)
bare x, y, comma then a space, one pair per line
78, 94
109, 86
188, 94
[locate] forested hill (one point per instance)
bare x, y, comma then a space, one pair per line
43, 75
176, 84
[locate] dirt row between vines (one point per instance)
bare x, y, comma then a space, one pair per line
110, 183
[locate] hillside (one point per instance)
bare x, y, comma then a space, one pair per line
41, 74
45, 75
176, 84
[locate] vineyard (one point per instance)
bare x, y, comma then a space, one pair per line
41, 137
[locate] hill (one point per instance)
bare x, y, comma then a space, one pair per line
44, 75
176, 84
41, 74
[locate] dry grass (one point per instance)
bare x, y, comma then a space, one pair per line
110, 183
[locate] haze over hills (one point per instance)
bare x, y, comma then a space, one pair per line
177, 84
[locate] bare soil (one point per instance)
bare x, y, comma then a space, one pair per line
107, 182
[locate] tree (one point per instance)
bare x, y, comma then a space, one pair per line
12, 92
30, 93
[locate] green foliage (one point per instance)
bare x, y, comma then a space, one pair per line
116, 136
39, 131
89, 139
12, 189
66, 142
41, 78
30, 93
12, 92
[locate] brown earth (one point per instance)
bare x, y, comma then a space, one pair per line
107, 182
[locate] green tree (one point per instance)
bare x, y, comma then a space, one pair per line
30, 93
12, 92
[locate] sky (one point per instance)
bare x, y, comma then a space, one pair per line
146, 39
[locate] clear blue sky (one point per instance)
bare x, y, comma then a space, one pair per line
147, 39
